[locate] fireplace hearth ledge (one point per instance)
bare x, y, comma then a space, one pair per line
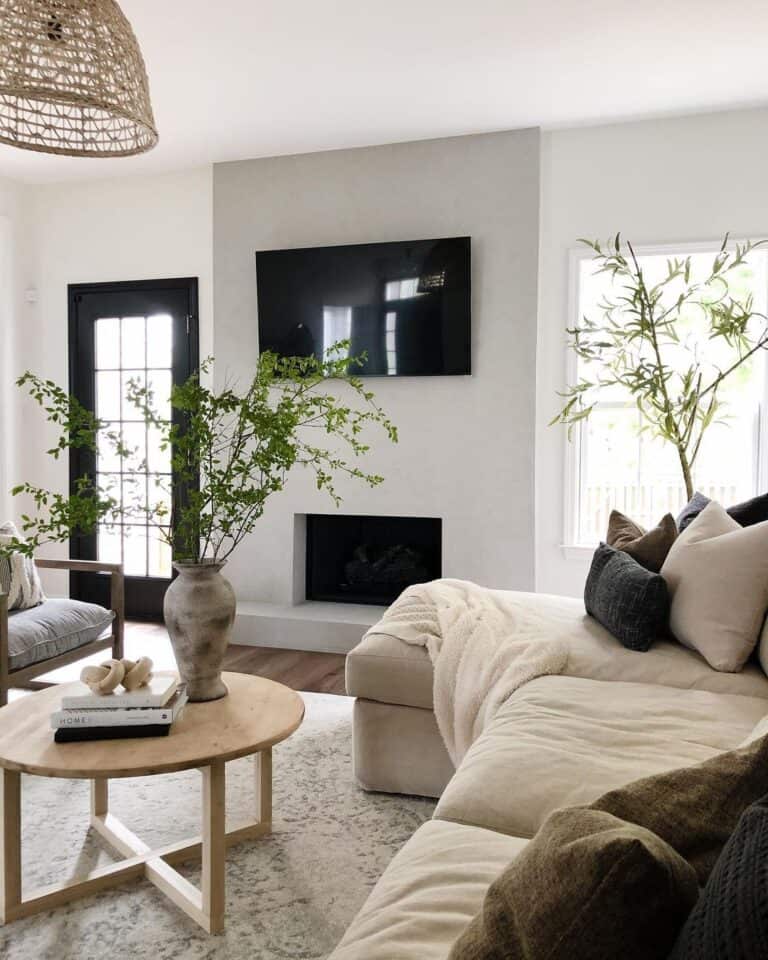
313, 625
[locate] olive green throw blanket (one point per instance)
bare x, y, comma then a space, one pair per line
618, 878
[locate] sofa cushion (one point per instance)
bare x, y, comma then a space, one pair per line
717, 572
53, 628
428, 894
561, 741
648, 547
626, 598
730, 919
587, 887
388, 670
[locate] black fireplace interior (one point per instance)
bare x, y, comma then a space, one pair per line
370, 559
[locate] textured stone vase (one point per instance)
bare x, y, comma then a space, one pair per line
199, 610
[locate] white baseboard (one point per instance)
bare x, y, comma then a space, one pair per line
318, 627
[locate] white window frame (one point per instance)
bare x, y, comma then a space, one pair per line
573, 460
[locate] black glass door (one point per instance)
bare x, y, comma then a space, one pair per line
146, 331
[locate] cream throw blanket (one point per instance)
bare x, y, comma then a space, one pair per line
484, 644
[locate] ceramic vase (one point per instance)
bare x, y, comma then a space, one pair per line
199, 610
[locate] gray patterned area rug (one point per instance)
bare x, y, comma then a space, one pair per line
290, 895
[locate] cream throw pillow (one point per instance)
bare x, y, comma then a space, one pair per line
717, 574
18, 574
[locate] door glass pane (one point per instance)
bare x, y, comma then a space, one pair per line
110, 545
108, 460
139, 377
159, 383
135, 551
108, 343
133, 342
158, 460
159, 340
108, 395
111, 484
159, 557
135, 441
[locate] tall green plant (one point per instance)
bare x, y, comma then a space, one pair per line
638, 343
230, 451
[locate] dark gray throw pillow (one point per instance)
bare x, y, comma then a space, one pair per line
730, 919
628, 600
747, 513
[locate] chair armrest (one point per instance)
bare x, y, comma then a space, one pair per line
82, 566
117, 591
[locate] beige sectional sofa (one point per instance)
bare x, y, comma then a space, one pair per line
613, 716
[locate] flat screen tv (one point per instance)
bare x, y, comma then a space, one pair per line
405, 305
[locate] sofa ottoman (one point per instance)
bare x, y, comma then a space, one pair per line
397, 747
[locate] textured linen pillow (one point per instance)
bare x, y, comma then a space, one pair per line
587, 887
730, 919
717, 574
746, 514
628, 600
18, 574
648, 547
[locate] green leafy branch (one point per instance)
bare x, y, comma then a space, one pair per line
54, 517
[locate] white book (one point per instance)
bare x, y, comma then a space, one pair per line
156, 693
122, 716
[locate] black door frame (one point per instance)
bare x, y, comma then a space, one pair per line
94, 587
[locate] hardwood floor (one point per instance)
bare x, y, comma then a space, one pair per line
299, 669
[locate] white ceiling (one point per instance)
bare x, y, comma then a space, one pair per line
247, 78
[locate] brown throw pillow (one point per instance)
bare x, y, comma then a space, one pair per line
648, 547
695, 809
588, 886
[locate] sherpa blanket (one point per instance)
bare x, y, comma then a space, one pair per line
484, 644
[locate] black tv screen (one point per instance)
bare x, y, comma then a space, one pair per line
405, 305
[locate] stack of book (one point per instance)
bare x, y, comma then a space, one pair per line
147, 712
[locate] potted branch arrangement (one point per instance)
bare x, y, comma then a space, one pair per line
644, 343
230, 451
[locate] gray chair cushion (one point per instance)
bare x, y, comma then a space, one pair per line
52, 628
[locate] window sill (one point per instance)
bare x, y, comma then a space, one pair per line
576, 551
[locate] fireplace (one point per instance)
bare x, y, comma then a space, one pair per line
354, 559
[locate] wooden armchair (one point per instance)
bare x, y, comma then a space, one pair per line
24, 676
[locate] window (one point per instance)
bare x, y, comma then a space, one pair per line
337, 326
401, 289
612, 465
390, 335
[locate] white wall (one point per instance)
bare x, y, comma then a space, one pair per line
136, 228
466, 443
664, 181
14, 253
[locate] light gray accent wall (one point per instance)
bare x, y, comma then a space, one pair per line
466, 450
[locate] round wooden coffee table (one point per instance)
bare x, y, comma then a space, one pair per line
257, 714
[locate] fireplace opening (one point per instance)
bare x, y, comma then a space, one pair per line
356, 559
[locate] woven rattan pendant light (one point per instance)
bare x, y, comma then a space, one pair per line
72, 79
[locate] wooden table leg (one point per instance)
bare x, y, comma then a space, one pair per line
264, 787
10, 844
214, 844
99, 798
